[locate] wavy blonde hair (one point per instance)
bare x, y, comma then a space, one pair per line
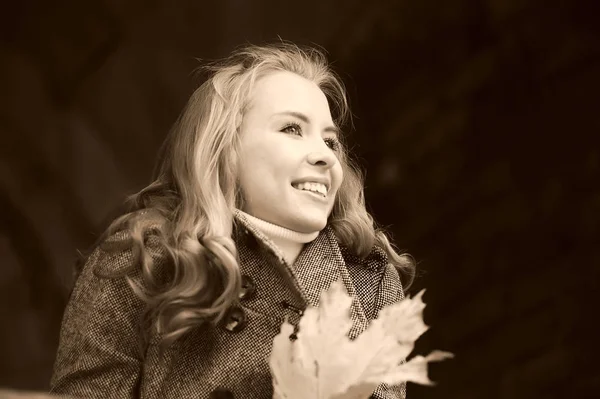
189, 205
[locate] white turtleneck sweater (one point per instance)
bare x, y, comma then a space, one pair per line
289, 242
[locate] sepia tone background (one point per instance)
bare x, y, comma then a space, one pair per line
476, 121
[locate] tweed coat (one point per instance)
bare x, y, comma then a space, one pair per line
99, 357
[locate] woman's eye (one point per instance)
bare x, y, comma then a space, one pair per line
332, 143
292, 128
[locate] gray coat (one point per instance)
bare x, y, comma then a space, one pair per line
99, 356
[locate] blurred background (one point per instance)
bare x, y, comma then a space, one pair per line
476, 120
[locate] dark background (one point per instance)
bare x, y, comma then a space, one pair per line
476, 121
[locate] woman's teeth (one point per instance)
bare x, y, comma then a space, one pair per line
314, 187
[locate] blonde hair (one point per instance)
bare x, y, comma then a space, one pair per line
189, 206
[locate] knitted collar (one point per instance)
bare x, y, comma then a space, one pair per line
274, 231
289, 242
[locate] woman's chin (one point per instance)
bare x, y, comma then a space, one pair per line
309, 224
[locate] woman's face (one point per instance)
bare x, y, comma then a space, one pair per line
288, 170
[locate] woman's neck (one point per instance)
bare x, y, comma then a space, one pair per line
290, 242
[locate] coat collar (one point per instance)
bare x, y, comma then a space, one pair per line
320, 263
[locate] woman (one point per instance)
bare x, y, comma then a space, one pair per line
256, 208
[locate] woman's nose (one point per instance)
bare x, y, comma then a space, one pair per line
322, 157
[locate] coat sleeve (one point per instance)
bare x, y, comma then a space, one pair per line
390, 291
99, 351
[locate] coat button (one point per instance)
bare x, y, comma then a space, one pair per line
221, 393
235, 320
248, 288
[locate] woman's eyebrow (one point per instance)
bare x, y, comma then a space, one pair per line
306, 119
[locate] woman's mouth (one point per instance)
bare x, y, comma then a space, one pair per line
315, 188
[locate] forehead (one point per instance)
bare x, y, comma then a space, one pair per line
285, 91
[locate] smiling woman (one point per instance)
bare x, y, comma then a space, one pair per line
255, 210
282, 149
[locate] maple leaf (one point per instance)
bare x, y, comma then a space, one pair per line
323, 362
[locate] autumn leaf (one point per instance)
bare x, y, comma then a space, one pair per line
323, 363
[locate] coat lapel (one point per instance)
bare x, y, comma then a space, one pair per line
319, 264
